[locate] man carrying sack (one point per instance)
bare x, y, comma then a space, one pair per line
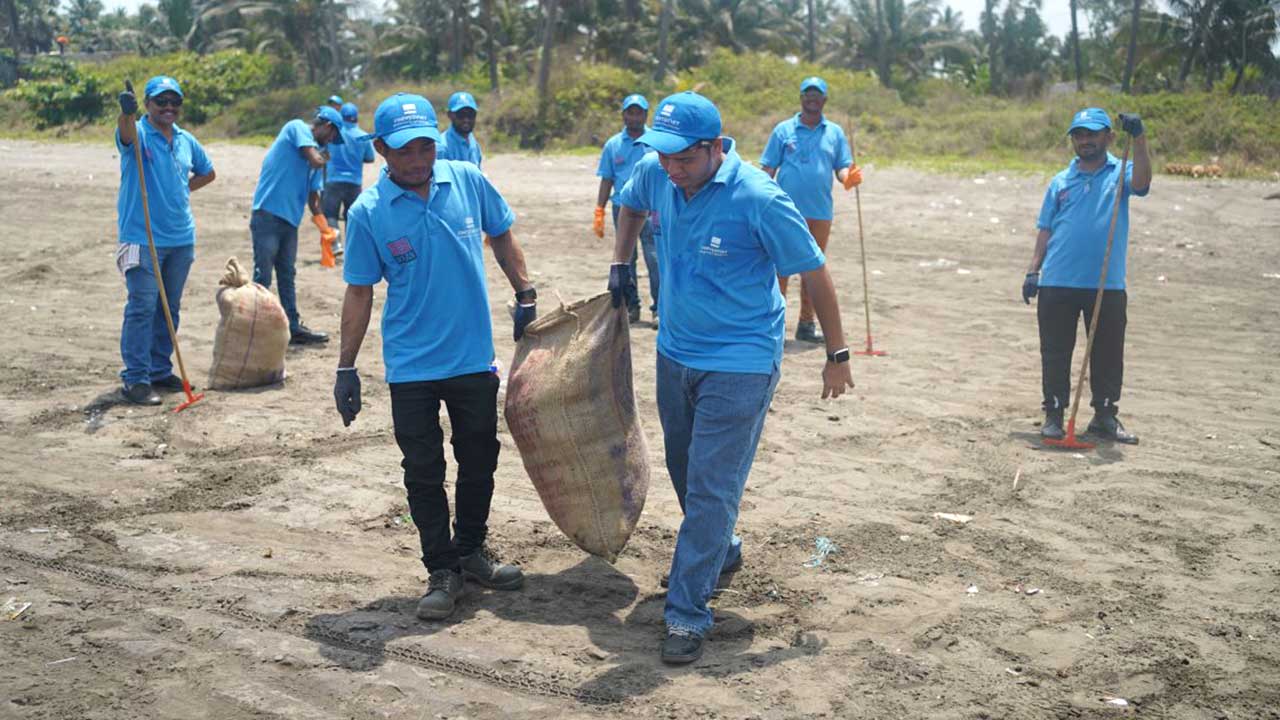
419, 228
175, 165
728, 231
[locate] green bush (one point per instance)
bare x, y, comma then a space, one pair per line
265, 113
58, 93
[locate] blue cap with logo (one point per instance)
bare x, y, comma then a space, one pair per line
335, 99
331, 116
349, 112
637, 99
462, 99
814, 82
404, 117
1090, 119
162, 84
680, 121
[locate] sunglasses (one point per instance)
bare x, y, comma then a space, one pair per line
167, 101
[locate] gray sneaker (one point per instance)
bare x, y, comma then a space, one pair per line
1052, 427
444, 589
485, 569
808, 332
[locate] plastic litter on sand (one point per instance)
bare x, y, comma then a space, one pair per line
823, 548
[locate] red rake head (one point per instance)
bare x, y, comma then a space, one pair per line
191, 399
870, 349
1070, 442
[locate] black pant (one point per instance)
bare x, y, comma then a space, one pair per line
1058, 311
472, 402
337, 199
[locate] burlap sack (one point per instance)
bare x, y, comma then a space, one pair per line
252, 336
572, 412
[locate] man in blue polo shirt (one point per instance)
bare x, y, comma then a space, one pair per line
803, 152
459, 141
420, 229
345, 173
175, 165
1066, 266
727, 232
618, 158
289, 182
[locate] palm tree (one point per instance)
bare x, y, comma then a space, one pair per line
1132, 55
896, 33
1075, 47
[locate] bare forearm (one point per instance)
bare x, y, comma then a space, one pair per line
510, 257
1037, 255
313, 203
1141, 164
606, 189
770, 171
822, 293
630, 223
357, 307
199, 181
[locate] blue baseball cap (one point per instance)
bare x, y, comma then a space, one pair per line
637, 99
682, 120
331, 116
462, 99
1090, 119
162, 84
349, 112
814, 82
335, 99
404, 117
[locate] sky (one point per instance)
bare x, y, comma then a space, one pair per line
1056, 13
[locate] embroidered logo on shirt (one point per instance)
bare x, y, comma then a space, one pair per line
1063, 196
401, 251
713, 248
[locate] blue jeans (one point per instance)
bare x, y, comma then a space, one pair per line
650, 261
711, 422
145, 345
275, 246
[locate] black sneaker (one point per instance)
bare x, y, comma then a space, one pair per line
444, 589
303, 335
140, 394
1052, 427
633, 315
1109, 427
169, 383
723, 580
681, 647
485, 569
808, 332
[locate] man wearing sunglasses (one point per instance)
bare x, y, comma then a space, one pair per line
175, 165
727, 233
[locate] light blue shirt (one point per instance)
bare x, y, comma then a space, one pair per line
346, 159
286, 176
456, 147
720, 254
168, 167
618, 158
435, 322
1077, 213
807, 159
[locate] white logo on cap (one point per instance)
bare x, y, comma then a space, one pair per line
409, 108
668, 109
1083, 114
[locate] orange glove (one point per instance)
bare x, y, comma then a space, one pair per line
327, 236
597, 225
854, 178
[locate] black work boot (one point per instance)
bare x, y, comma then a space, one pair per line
1107, 426
303, 335
808, 332
681, 647
633, 314
140, 394
485, 569
1052, 427
444, 589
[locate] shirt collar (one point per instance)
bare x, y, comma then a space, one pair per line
441, 173
146, 123
1073, 170
800, 122
625, 137
729, 168
458, 135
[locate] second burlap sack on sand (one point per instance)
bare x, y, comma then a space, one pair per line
571, 408
252, 335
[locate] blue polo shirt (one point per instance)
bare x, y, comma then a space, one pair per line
347, 159
618, 158
720, 254
456, 147
435, 322
286, 177
1077, 213
168, 167
806, 159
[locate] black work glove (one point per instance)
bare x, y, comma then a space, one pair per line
620, 283
1030, 286
346, 392
1131, 123
525, 314
128, 103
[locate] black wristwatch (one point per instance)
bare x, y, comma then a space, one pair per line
527, 295
839, 356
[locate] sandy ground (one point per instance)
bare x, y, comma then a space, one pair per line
249, 557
